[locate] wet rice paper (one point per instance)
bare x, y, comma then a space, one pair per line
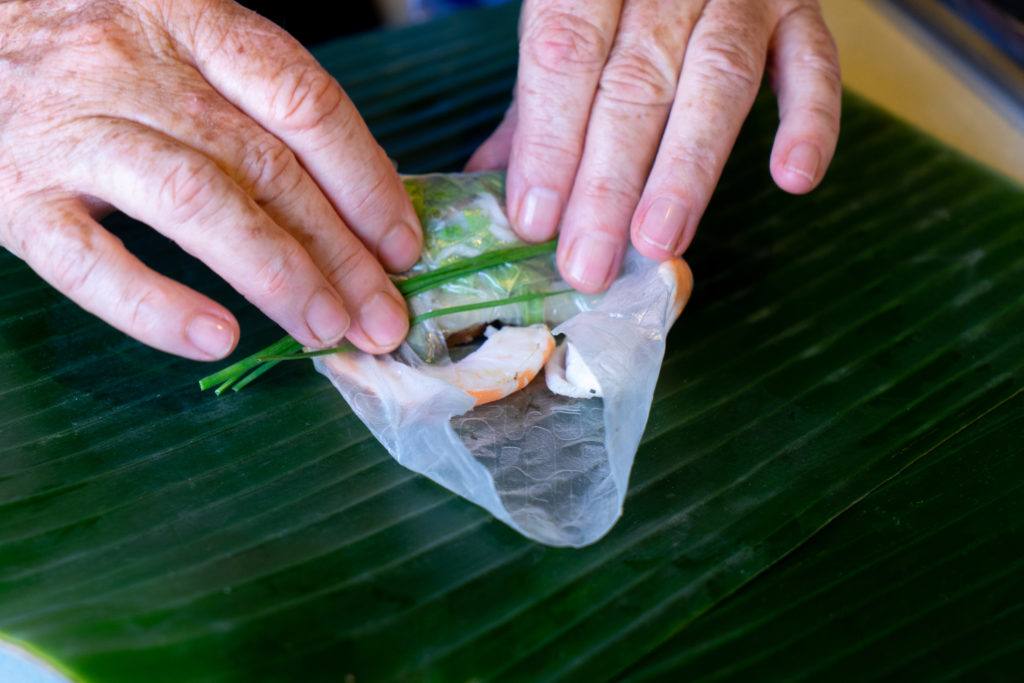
464, 216
554, 468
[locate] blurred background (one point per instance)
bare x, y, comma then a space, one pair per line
954, 68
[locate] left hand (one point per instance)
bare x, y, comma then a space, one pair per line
626, 110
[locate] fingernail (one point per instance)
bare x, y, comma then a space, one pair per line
804, 160
664, 223
399, 247
383, 320
592, 259
326, 317
211, 335
539, 213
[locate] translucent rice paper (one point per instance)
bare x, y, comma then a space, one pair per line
555, 469
463, 215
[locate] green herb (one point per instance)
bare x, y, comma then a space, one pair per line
479, 305
262, 368
499, 257
238, 375
234, 372
342, 348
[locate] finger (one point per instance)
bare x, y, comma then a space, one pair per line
806, 67
90, 266
633, 100
493, 153
268, 75
563, 47
184, 195
271, 174
721, 74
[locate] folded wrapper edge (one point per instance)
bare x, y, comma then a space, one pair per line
622, 341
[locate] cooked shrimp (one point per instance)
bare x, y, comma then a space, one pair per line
677, 275
508, 361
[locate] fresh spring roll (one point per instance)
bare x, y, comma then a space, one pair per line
549, 457
463, 216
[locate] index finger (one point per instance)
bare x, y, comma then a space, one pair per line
188, 198
563, 48
267, 74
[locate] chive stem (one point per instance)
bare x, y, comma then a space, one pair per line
263, 367
238, 375
225, 386
475, 306
236, 370
495, 303
423, 282
308, 354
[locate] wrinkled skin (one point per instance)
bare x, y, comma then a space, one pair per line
216, 128
626, 110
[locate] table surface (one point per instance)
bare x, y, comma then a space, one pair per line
901, 71
837, 409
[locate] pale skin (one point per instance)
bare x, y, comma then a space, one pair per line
220, 131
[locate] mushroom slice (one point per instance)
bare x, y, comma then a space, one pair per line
567, 374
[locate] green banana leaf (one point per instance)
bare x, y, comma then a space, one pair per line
839, 408
920, 581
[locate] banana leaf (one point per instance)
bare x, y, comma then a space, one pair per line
836, 345
920, 581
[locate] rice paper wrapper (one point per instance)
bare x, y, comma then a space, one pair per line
463, 215
554, 468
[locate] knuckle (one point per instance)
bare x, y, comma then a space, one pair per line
352, 264
695, 160
109, 32
276, 272
723, 60
639, 77
825, 116
269, 170
72, 259
189, 188
200, 105
618, 190
216, 36
138, 310
305, 97
373, 194
822, 66
557, 41
550, 150
97, 24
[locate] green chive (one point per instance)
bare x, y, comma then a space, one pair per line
308, 354
520, 299
242, 383
435, 278
234, 371
227, 385
238, 375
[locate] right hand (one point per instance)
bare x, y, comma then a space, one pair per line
218, 129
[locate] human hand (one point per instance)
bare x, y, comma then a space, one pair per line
215, 127
626, 110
